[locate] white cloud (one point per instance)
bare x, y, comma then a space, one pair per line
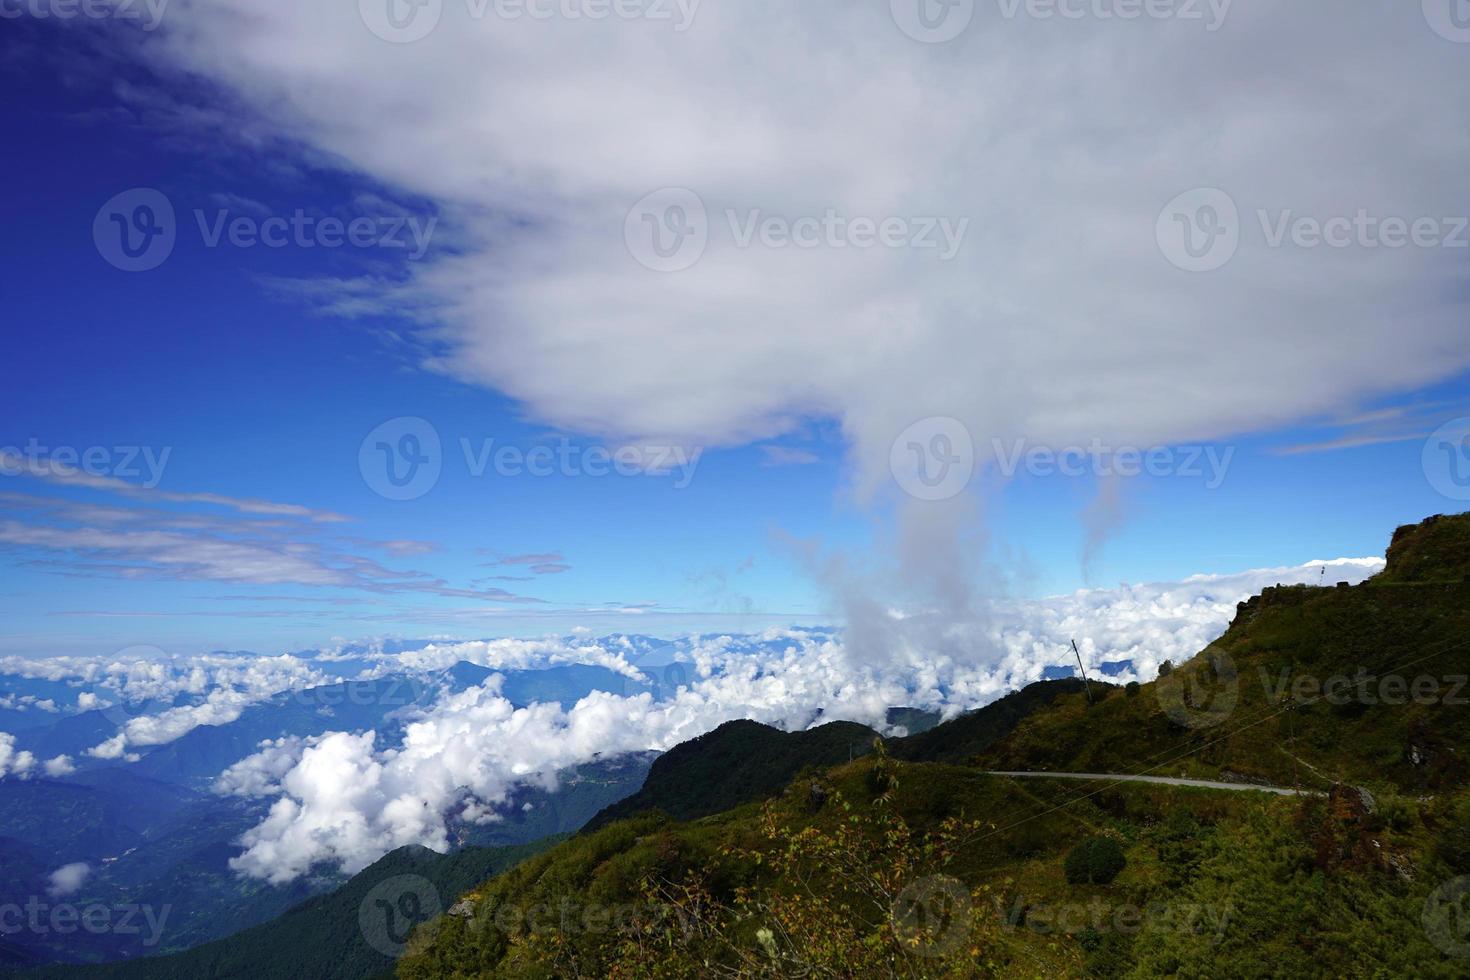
44, 468
62, 765
1030, 129
345, 799
225, 687
507, 654
68, 879
113, 748
13, 763
260, 774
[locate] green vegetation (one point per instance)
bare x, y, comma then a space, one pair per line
743, 761
1095, 861
1308, 686
913, 862
736, 763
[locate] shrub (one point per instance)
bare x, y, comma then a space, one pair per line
1095, 861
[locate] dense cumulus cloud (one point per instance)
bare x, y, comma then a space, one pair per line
13, 763
1026, 128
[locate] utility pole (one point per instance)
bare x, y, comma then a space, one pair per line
1296, 776
1083, 669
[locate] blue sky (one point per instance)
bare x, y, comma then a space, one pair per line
221, 358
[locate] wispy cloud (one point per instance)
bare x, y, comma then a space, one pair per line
112, 541
53, 472
787, 456
1375, 427
548, 563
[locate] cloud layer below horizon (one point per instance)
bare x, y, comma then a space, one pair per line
346, 799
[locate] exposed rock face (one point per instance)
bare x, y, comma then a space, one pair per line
1341, 836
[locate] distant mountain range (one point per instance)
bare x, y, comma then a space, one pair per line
1314, 885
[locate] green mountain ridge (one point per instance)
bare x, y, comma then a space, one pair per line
914, 862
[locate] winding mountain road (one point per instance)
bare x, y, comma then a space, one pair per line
1161, 780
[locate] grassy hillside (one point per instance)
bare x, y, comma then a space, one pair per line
973, 733
927, 870
895, 868
1364, 684
738, 762
743, 761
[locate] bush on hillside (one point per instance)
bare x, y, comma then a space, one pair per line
1095, 861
